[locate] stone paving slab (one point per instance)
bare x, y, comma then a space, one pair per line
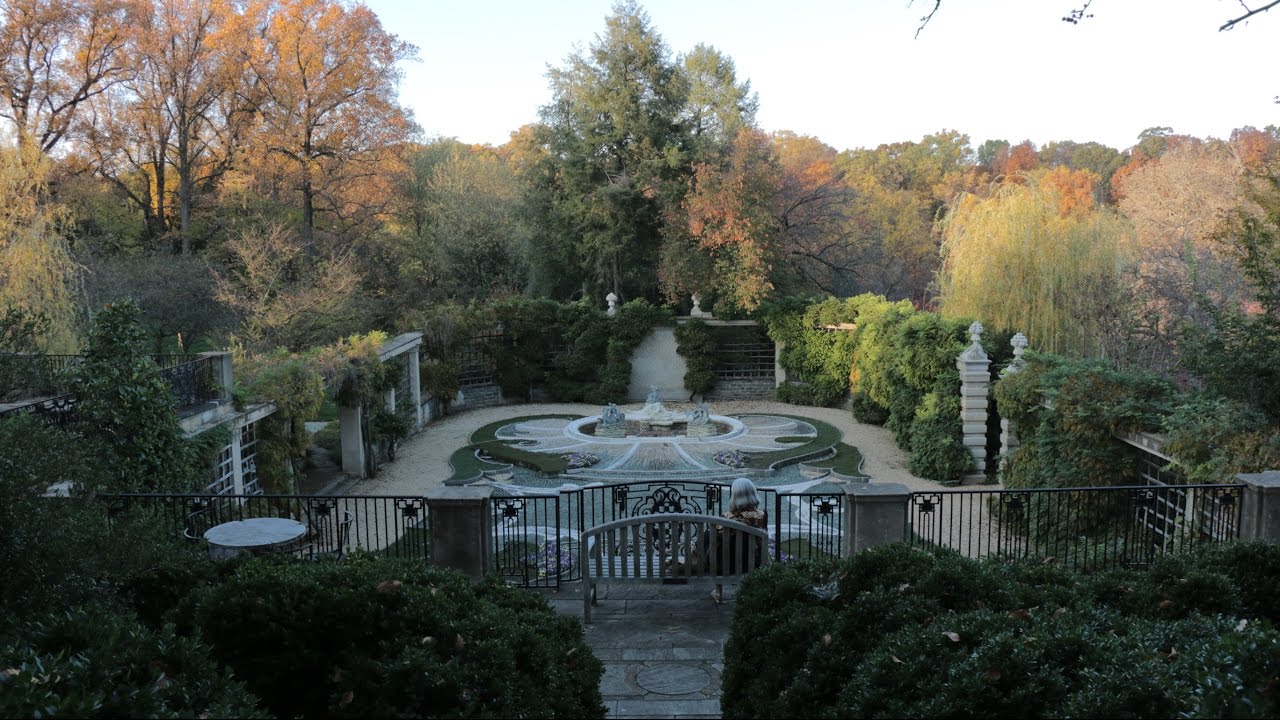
662, 648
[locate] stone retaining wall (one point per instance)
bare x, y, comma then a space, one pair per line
743, 389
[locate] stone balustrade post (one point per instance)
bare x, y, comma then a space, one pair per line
875, 514
975, 384
1260, 506
460, 519
223, 374
1008, 438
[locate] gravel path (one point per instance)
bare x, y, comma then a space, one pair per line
422, 461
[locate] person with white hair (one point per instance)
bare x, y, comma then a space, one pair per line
744, 504
745, 507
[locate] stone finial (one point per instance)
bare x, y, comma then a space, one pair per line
696, 310
1019, 343
612, 299
974, 351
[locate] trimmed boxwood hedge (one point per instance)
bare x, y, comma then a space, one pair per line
99, 661
900, 632
377, 637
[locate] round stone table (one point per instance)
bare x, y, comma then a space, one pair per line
253, 535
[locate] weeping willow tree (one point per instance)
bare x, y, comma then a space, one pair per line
1018, 260
38, 275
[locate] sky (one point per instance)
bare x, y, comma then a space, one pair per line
853, 74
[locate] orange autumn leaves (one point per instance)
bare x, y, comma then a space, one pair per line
744, 214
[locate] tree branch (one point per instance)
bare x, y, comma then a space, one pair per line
925, 20
1232, 23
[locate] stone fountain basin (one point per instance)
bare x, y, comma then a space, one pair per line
574, 430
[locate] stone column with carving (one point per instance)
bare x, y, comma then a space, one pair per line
1009, 440
975, 384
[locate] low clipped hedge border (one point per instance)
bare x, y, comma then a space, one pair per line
466, 465
900, 632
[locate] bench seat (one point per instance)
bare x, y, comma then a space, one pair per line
668, 548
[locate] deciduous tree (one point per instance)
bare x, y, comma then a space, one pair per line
325, 81
54, 56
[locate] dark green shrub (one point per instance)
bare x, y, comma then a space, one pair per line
697, 345
937, 440
96, 662
900, 632
373, 637
1066, 415
126, 411
866, 410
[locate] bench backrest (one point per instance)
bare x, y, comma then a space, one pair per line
672, 545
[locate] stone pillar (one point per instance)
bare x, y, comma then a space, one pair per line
222, 373
352, 441
237, 461
1260, 506
779, 372
1009, 440
975, 383
415, 387
875, 514
613, 304
461, 529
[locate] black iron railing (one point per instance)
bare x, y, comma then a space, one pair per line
193, 379
1089, 528
536, 534
193, 382
386, 524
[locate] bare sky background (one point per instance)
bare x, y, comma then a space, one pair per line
852, 73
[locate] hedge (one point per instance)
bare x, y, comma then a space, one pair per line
378, 637
900, 632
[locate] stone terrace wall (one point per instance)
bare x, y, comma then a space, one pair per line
745, 389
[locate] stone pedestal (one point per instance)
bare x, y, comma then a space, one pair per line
975, 384
461, 529
1260, 506
875, 514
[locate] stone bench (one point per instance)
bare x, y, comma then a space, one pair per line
668, 548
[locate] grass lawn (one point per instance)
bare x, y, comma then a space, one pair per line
827, 437
848, 461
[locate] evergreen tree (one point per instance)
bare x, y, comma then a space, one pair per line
617, 156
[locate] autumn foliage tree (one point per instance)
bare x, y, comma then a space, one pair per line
325, 78
1176, 204
1017, 262
731, 217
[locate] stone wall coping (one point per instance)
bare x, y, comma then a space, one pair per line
682, 319
459, 494
399, 345
1265, 480
877, 492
